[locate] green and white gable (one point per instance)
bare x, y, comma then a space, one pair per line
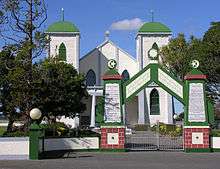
96, 61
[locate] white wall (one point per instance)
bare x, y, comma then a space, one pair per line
71, 143
215, 142
144, 44
14, 148
98, 58
127, 63
166, 115
71, 42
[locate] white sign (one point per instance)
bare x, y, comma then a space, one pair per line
112, 138
196, 103
112, 103
137, 83
170, 83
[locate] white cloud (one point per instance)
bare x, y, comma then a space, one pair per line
126, 24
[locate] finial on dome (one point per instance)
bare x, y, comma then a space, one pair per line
152, 15
62, 14
107, 33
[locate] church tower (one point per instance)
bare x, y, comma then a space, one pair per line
64, 41
154, 104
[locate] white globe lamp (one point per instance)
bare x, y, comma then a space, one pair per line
175, 116
35, 114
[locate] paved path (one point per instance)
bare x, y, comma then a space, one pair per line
127, 160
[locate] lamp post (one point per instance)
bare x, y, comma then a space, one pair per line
34, 134
175, 116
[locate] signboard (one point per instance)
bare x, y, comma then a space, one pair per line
137, 83
112, 103
196, 103
169, 82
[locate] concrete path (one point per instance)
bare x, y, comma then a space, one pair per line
127, 160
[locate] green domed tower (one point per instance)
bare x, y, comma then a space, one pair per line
64, 41
150, 38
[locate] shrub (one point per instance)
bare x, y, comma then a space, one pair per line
168, 129
2, 130
55, 129
141, 127
16, 134
215, 133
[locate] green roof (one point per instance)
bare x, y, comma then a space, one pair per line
62, 26
154, 27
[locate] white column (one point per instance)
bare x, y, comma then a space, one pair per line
124, 114
141, 107
92, 122
77, 52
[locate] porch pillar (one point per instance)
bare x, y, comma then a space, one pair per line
92, 121
141, 107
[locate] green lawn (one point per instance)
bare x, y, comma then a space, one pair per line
2, 130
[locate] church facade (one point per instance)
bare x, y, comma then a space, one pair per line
150, 105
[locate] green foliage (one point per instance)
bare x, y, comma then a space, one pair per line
58, 129
87, 133
56, 88
60, 90
178, 54
141, 127
55, 129
2, 131
16, 134
215, 133
168, 129
100, 110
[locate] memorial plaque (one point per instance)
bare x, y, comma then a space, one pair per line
137, 83
196, 103
166, 80
112, 103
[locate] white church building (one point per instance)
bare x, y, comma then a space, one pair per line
150, 105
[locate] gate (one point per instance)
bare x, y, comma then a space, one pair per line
158, 137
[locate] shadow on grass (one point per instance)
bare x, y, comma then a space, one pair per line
62, 154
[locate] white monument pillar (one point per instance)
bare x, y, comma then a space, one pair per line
92, 122
141, 107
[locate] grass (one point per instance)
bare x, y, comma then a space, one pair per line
2, 130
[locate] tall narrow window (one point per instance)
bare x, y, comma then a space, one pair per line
125, 75
62, 52
154, 102
90, 78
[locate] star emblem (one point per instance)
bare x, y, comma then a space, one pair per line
112, 64
195, 64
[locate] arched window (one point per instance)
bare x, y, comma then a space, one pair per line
154, 102
90, 78
125, 75
155, 46
62, 52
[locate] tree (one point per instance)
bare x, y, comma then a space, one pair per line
14, 88
179, 53
20, 25
176, 56
60, 89
6, 100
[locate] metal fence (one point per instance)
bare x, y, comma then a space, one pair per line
153, 140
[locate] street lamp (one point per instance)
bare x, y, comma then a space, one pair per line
35, 114
175, 116
35, 132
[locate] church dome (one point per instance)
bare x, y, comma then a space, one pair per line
154, 27
62, 26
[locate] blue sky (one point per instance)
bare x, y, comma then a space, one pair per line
94, 17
